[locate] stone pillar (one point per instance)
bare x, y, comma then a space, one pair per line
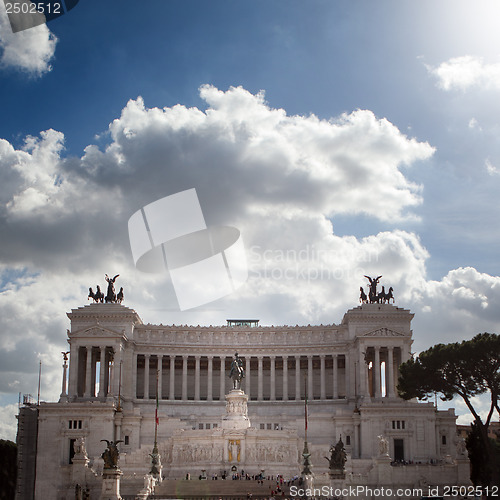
114, 373
73, 371
88, 374
102, 374
310, 393
335, 377
362, 374
134, 375
297, 378
222, 390
376, 372
349, 378
247, 375
146, 376
111, 484
322, 375
209, 378
260, 380
197, 378
285, 378
171, 390
273, 378
159, 367
184, 377
389, 379
64, 395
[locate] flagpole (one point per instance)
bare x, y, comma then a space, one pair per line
156, 466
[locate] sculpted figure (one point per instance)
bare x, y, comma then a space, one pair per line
383, 445
237, 372
111, 454
373, 288
111, 295
338, 456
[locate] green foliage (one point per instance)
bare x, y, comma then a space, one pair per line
464, 369
8, 469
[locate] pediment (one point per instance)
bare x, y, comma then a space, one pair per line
383, 332
96, 331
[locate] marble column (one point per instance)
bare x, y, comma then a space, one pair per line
335, 377
160, 375
73, 371
197, 378
247, 375
209, 378
184, 377
222, 381
363, 386
390, 372
260, 394
64, 395
171, 390
102, 373
88, 374
322, 375
273, 378
310, 386
146, 376
376, 372
297, 378
285, 378
134, 375
349, 377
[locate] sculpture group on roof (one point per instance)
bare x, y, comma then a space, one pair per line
111, 297
373, 296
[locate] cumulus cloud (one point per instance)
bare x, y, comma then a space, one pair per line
280, 179
30, 50
490, 168
464, 72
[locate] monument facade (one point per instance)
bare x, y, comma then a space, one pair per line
126, 377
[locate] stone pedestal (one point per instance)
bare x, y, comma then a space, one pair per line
384, 470
111, 484
236, 416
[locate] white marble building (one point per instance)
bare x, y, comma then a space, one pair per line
349, 372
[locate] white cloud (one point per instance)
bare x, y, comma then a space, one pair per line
30, 50
279, 179
491, 169
464, 72
8, 422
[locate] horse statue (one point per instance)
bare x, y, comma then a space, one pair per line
389, 295
119, 297
362, 297
381, 297
98, 296
237, 372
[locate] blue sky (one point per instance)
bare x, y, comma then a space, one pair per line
365, 130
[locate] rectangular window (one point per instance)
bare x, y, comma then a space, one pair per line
398, 424
402, 424
127, 440
262, 426
71, 450
207, 426
214, 426
79, 424
393, 424
200, 426
443, 439
348, 440
269, 427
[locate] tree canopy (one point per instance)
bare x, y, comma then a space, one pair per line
466, 369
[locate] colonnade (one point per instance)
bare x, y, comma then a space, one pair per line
272, 378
